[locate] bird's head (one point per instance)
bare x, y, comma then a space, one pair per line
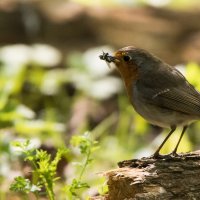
132, 62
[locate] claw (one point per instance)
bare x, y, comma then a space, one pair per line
156, 156
165, 156
173, 153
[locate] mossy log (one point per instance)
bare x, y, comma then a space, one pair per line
176, 178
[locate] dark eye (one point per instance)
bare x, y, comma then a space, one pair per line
126, 58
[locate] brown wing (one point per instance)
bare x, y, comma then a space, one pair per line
179, 99
170, 90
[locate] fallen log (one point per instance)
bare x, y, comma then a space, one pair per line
149, 179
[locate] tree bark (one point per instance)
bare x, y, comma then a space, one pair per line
176, 178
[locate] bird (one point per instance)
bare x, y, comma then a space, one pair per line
157, 91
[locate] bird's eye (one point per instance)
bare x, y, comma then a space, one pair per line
126, 58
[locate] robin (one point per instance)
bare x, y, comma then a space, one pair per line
157, 91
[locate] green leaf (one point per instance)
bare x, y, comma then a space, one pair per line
21, 185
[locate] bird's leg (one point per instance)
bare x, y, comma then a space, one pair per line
182, 133
156, 154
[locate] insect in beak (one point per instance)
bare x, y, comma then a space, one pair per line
108, 58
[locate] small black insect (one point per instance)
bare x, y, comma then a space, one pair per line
107, 57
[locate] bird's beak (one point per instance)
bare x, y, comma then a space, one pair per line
108, 58
113, 59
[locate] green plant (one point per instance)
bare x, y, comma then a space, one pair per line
44, 170
86, 146
24, 186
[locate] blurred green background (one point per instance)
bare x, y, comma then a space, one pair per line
54, 86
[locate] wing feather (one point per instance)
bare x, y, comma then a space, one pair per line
169, 89
180, 100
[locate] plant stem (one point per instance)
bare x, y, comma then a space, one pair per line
48, 188
84, 166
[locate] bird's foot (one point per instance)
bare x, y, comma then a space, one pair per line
164, 156
174, 154
159, 156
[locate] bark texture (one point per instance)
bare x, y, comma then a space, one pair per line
176, 178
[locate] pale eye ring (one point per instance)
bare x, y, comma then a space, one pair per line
126, 58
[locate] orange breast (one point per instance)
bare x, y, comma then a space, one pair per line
129, 75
